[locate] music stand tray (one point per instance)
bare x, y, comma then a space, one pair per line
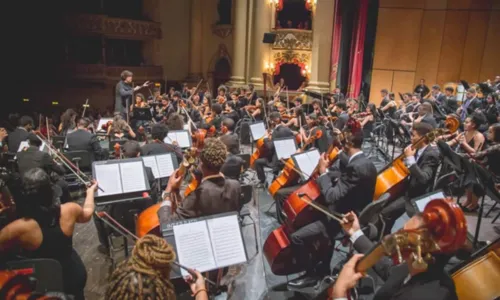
142, 113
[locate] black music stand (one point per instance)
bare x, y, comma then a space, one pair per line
142, 113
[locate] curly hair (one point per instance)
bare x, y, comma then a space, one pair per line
145, 275
213, 154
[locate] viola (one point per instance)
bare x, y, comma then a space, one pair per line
148, 221
392, 179
260, 152
441, 228
288, 175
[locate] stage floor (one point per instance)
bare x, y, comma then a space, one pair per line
254, 280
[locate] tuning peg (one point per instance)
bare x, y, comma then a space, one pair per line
418, 261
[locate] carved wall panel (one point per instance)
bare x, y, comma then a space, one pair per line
293, 39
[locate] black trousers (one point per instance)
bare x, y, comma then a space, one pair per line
303, 238
395, 209
259, 165
280, 198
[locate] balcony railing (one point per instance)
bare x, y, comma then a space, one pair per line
113, 27
110, 73
293, 39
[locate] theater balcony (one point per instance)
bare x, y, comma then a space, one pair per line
103, 73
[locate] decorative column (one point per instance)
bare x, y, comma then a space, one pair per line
323, 15
261, 53
195, 41
240, 42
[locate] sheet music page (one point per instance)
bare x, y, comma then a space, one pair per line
303, 164
258, 130
133, 176
150, 161
285, 148
108, 177
22, 145
226, 240
170, 138
183, 139
165, 165
314, 157
193, 247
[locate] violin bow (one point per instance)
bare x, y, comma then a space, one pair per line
85, 107
111, 222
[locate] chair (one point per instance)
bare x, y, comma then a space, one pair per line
81, 159
47, 272
58, 142
371, 214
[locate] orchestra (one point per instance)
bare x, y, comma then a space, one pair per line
341, 192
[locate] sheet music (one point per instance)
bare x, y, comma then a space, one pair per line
182, 138
22, 145
227, 243
165, 165
258, 130
150, 161
186, 126
285, 148
132, 176
193, 247
107, 175
307, 162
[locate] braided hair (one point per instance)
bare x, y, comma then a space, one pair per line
145, 275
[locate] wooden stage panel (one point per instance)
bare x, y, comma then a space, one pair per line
452, 49
398, 34
491, 63
403, 82
474, 46
436, 4
429, 51
381, 79
402, 3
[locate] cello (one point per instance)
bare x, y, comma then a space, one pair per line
441, 228
148, 221
392, 179
288, 175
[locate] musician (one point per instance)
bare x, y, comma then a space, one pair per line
341, 110
193, 110
257, 112
337, 95
205, 109
164, 110
450, 104
438, 97
221, 97
233, 165
425, 115
20, 134
279, 131
215, 118
68, 122
186, 93
45, 229
230, 112
496, 84
422, 89
368, 121
158, 133
140, 102
491, 110
176, 100
120, 129
175, 122
471, 140
469, 105
124, 93
402, 282
387, 105
317, 109
422, 164
353, 191
312, 122
83, 140
215, 194
155, 97
297, 121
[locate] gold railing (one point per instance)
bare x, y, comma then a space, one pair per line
113, 27
104, 73
293, 39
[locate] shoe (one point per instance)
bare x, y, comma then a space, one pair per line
303, 282
103, 250
470, 210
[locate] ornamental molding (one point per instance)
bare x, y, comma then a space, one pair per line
290, 56
293, 39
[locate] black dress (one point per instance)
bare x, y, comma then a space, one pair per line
56, 245
367, 129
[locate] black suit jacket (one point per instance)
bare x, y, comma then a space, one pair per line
279, 132
156, 148
429, 119
441, 98
15, 138
82, 140
434, 284
354, 189
32, 158
123, 96
450, 105
231, 140
422, 173
232, 167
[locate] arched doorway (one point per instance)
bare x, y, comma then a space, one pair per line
292, 74
222, 73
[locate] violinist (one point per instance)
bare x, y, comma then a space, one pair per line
423, 164
387, 105
140, 102
341, 110
279, 131
469, 105
119, 129
68, 122
193, 110
298, 119
214, 119
83, 140
155, 97
317, 109
491, 110
205, 109
425, 115
214, 195
450, 104
230, 111
158, 146
368, 120
256, 111
186, 93
312, 124
221, 96
337, 95
20, 134
233, 165
402, 282
164, 109
176, 101
175, 122
352, 192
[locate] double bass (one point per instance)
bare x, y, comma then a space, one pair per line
393, 178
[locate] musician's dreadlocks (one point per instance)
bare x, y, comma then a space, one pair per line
213, 154
145, 274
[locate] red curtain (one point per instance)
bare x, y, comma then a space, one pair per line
337, 37
358, 50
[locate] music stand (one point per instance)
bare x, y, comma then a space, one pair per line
306, 162
162, 166
142, 113
285, 147
182, 137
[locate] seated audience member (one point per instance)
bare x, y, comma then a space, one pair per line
45, 230
146, 274
83, 140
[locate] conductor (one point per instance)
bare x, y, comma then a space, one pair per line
124, 92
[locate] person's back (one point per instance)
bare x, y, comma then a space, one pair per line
83, 140
19, 134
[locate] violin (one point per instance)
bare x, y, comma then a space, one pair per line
288, 175
441, 228
392, 179
251, 108
221, 99
148, 221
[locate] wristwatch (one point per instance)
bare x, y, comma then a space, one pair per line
165, 195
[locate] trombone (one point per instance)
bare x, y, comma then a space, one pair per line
66, 162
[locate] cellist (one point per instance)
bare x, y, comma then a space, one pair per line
352, 192
279, 131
